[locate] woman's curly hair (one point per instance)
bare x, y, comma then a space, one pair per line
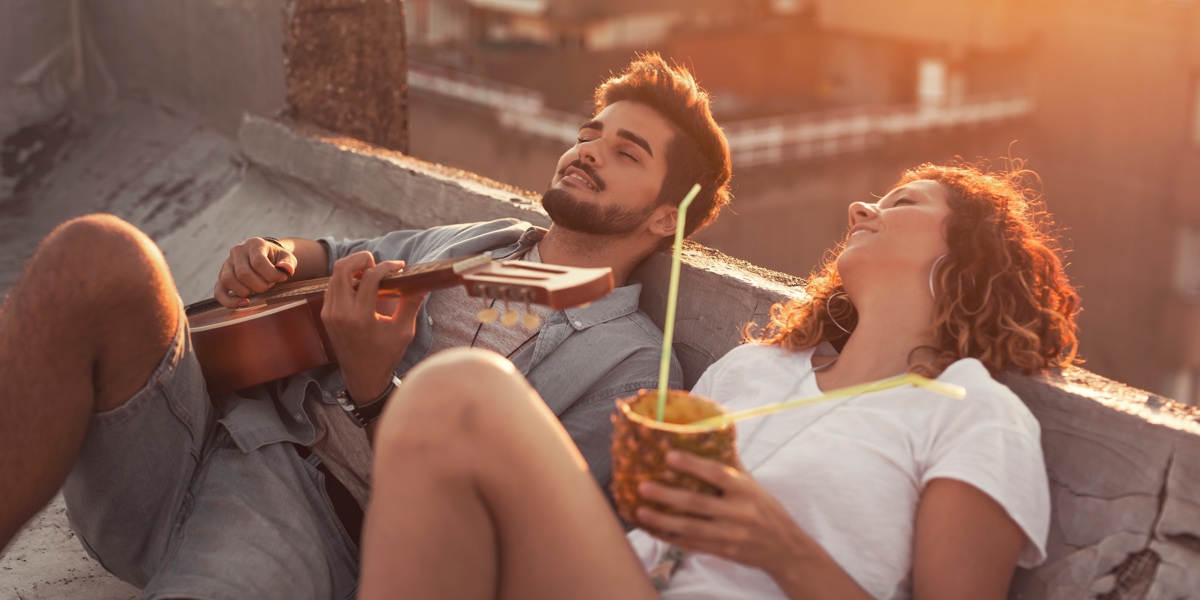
1002, 294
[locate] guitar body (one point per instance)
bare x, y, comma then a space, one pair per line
240, 350
280, 333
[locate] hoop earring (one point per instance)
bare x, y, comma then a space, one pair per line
931, 271
835, 323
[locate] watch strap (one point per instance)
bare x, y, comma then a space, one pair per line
364, 413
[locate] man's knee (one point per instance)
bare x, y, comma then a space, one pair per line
105, 258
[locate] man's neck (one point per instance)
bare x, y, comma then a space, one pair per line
573, 249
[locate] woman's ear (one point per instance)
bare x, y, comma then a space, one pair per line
663, 220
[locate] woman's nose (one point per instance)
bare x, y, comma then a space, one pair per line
861, 211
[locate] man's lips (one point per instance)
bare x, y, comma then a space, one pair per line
580, 176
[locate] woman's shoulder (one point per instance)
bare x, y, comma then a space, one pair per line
753, 361
755, 354
987, 397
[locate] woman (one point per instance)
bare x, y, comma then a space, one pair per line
478, 493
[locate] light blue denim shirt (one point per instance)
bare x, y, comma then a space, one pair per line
583, 359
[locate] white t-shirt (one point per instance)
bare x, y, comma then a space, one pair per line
851, 471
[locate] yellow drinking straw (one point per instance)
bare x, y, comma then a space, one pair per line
938, 387
664, 368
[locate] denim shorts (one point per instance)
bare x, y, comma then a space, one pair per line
163, 499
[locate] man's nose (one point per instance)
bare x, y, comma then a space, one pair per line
589, 152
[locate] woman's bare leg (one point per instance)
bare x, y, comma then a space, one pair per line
81, 331
479, 493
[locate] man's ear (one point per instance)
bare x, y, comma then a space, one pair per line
663, 220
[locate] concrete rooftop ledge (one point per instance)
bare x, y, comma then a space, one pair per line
1124, 465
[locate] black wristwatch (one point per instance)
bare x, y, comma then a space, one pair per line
364, 413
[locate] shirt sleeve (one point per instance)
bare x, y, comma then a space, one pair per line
992, 443
420, 245
588, 421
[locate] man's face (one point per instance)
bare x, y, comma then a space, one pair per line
608, 183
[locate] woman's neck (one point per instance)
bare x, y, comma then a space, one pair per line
891, 324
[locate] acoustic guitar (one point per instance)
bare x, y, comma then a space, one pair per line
280, 333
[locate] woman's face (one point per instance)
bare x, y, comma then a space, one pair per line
901, 235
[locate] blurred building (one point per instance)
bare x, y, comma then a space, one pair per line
826, 101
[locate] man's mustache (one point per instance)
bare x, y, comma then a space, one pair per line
588, 169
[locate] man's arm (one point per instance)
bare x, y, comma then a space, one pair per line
312, 260
256, 265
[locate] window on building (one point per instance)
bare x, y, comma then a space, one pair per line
932, 82
1182, 386
1196, 110
1187, 261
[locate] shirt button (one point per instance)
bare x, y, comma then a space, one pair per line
579, 323
430, 321
327, 394
299, 418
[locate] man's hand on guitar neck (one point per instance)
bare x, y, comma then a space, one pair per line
256, 265
368, 344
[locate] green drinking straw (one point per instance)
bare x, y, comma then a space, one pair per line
664, 367
938, 387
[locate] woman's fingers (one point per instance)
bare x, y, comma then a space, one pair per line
694, 503
683, 529
720, 475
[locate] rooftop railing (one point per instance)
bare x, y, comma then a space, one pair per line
773, 140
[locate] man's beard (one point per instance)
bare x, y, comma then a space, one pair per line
572, 214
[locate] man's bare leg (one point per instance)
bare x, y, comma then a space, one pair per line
81, 331
478, 492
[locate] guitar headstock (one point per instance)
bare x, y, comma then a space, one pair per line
523, 282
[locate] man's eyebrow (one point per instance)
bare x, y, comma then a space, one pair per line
621, 133
637, 139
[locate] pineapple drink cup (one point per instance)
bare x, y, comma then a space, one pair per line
640, 445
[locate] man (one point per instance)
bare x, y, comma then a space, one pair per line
233, 498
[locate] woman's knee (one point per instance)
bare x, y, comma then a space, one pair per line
450, 396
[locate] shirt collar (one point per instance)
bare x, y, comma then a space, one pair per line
620, 302
529, 239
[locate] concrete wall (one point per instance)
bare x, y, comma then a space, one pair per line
210, 59
30, 30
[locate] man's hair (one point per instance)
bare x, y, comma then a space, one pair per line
698, 153
1002, 294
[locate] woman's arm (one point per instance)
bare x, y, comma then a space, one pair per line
747, 525
966, 545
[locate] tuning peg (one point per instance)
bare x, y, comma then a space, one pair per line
509, 318
488, 315
531, 321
